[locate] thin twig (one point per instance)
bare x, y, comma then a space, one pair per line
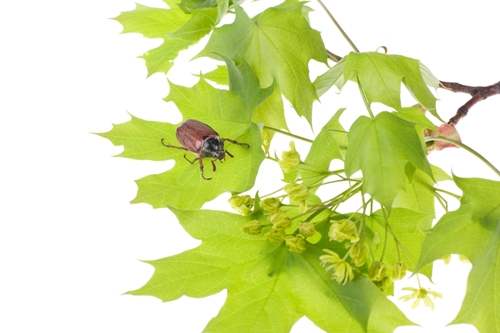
338, 26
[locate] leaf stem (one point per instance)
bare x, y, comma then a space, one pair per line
338, 26
456, 196
287, 133
386, 231
469, 149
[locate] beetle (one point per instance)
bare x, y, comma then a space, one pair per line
202, 140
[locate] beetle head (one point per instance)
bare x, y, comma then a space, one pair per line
213, 147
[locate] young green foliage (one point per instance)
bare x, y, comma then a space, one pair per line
381, 147
228, 112
269, 287
269, 259
473, 231
264, 42
379, 77
330, 144
177, 28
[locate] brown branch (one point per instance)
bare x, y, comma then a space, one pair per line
333, 56
478, 94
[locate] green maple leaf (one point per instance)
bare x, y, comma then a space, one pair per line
406, 226
270, 112
381, 148
228, 112
177, 28
331, 143
270, 44
218, 75
473, 231
380, 76
269, 288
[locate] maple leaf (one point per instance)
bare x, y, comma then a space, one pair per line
270, 112
177, 28
381, 147
406, 226
269, 287
379, 77
473, 230
331, 143
228, 112
269, 43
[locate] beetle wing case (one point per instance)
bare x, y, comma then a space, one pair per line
192, 133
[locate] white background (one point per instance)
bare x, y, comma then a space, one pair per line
70, 242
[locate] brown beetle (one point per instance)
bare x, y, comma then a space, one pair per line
202, 140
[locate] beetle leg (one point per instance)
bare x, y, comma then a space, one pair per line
199, 158
230, 155
168, 145
213, 165
236, 142
201, 169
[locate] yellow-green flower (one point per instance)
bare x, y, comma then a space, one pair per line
270, 205
342, 271
377, 271
357, 253
420, 294
280, 220
242, 204
290, 160
252, 227
276, 236
463, 259
383, 284
267, 136
295, 244
307, 229
298, 193
446, 259
399, 270
342, 230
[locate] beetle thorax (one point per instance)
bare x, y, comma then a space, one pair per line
213, 147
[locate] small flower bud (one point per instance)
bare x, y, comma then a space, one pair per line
342, 230
267, 136
399, 270
290, 160
295, 244
384, 283
270, 205
463, 259
377, 271
276, 236
358, 254
252, 227
446, 259
447, 131
280, 220
242, 204
307, 229
298, 193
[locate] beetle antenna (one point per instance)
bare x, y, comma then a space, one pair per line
230, 155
